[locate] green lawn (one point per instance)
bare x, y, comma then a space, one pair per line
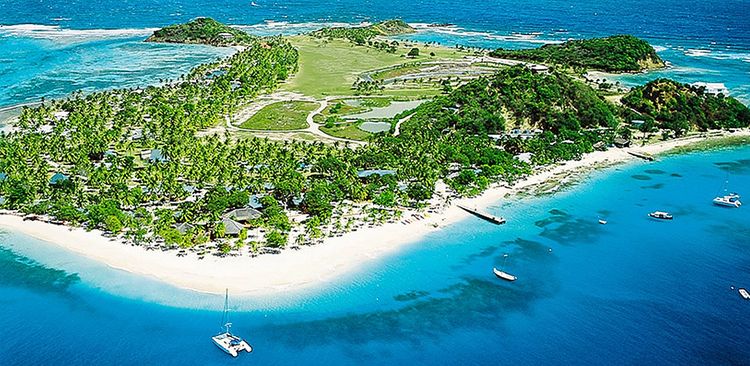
281, 116
347, 131
344, 109
331, 67
402, 70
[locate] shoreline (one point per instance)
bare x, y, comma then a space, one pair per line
310, 266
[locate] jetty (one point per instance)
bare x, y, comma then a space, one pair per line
484, 216
642, 155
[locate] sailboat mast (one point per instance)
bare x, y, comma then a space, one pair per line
225, 314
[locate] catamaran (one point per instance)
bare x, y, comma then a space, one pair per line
730, 200
502, 274
227, 341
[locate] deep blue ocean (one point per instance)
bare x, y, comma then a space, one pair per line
634, 291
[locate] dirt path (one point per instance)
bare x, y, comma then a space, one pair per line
397, 129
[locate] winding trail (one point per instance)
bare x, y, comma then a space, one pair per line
397, 129
312, 127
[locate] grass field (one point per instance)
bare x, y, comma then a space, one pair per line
331, 67
281, 116
341, 107
402, 70
347, 131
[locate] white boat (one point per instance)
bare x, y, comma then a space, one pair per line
227, 341
504, 275
660, 215
603, 222
730, 200
745, 295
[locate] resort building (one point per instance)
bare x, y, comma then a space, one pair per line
231, 227
371, 172
538, 69
243, 214
712, 88
183, 228
58, 178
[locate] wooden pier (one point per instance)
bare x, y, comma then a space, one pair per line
642, 155
484, 216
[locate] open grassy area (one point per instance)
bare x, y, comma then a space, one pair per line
347, 131
281, 116
402, 70
331, 67
343, 107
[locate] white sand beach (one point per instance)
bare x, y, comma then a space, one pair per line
309, 266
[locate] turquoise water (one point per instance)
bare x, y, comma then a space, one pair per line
634, 291
51, 48
53, 63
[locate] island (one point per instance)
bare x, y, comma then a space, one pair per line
364, 34
293, 141
620, 53
202, 31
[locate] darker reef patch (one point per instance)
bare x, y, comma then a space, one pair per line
654, 171
568, 230
20, 271
740, 166
654, 186
557, 216
411, 296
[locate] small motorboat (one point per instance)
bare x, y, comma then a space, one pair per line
730, 200
504, 275
603, 222
660, 215
745, 295
500, 273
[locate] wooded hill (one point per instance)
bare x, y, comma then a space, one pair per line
202, 31
361, 35
621, 53
681, 107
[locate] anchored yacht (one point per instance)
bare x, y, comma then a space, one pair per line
227, 341
730, 200
660, 215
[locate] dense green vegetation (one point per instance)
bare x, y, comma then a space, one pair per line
202, 31
622, 53
278, 116
682, 107
346, 130
97, 147
454, 129
131, 162
365, 35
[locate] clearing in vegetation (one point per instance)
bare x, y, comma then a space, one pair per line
330, 67
281, 116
